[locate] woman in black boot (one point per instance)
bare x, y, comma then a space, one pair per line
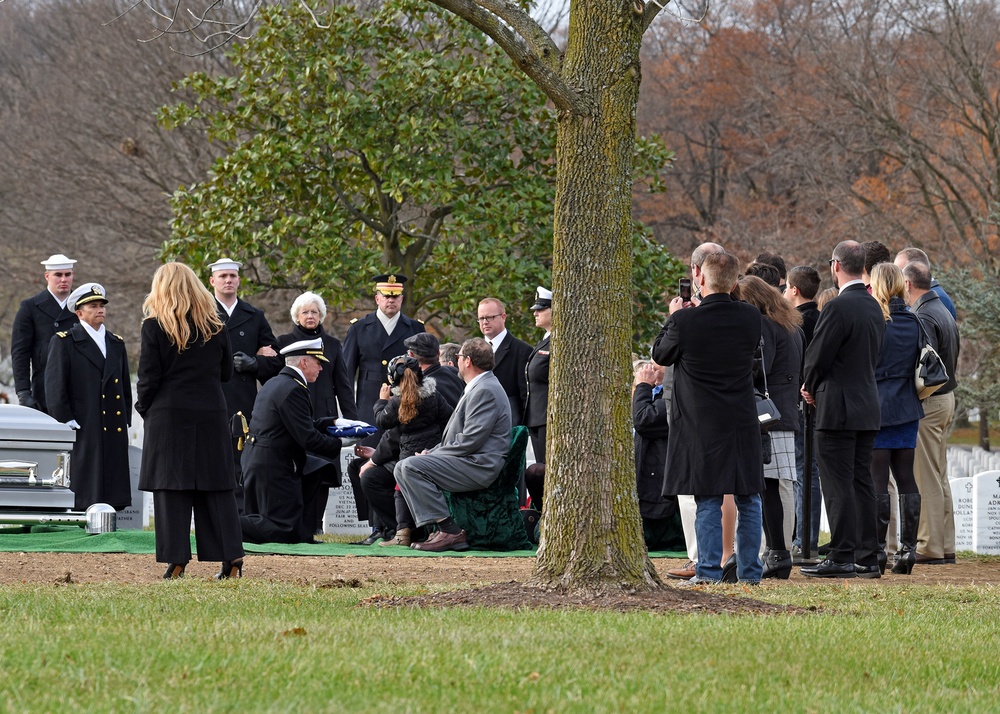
780, 377
901, 413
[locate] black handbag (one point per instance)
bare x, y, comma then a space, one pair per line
930, 373
767, 411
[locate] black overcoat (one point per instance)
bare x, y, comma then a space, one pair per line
332, 386
81, 384
897, 392
281, 432
649, 417
367, 351
179, 396
248, 331
37, 320
714, 445
509, 363
537, 377
782, 372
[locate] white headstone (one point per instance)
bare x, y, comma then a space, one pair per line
961, 493
341, 515
135, 516
986, 499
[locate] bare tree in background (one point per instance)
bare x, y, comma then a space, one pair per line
86, 169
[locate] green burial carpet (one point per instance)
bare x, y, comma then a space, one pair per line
73, 539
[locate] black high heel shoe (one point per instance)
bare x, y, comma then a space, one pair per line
230, 569
174, 571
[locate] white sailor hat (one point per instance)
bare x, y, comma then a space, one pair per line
312, 348
225, 264
88, 292
58, 262
543, 299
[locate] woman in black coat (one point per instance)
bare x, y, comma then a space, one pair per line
187, 458
780, 375
331, 388
896, 440
537, 405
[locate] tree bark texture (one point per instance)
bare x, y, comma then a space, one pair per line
591, 529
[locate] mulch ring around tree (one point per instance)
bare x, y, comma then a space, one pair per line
669, 598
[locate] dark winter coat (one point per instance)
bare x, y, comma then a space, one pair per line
81, 384
425, 429
783, 372
509, 362
367, 351
332, 386
537, 376
37, 320
649, 417
897, 392
248, 331
187, 445
714, 445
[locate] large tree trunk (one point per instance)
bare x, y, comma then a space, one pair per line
591, 530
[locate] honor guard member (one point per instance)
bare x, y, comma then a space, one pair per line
88, 386
37, 319
281, 433
375, 339
253, 343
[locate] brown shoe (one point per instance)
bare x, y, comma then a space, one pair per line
403, 537
685, 572
443, 541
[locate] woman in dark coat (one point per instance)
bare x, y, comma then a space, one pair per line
331, 388
187, 458
537, 404
413, 407
781, 370
901, 413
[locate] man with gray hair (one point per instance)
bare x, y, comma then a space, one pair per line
936, 533
915, 255
475, 443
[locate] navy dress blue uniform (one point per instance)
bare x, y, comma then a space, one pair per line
537, 404
248, 331
281, 433
82, 384
367, 351
37, 320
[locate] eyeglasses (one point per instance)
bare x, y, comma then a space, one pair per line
488, 318
461, 355
834, 260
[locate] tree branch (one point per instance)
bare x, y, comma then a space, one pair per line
538, 58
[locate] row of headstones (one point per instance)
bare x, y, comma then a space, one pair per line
977, 512
963, 462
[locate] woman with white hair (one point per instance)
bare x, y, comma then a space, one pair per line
331, 388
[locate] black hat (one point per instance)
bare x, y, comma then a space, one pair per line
88, 292
423, 344
543, 299
389, 284
399, 365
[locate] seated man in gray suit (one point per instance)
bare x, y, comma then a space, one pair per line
472, 450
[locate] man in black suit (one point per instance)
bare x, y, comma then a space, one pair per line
714, 447
37, 320
801, 290
375, 339
839, 377
281, 433
509, 353
89, 387
253, 343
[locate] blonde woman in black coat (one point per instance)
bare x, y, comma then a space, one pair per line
187, 455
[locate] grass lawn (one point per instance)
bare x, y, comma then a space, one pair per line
256, 646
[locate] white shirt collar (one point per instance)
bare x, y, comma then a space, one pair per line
229, 309
99, 336
850, 283
389, 323
495, 341
474, 380
301, 373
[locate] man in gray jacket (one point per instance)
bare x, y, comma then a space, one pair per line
472, 450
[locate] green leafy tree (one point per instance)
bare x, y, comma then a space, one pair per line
393, 138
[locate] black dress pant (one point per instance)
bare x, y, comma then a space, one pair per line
216, 526
379, 486
845, 459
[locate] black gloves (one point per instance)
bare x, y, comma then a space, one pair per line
25, 399
243, 362
323, 422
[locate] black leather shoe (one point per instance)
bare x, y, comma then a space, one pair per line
777, 564
868, 571
729, 570
829, 569
375, 537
